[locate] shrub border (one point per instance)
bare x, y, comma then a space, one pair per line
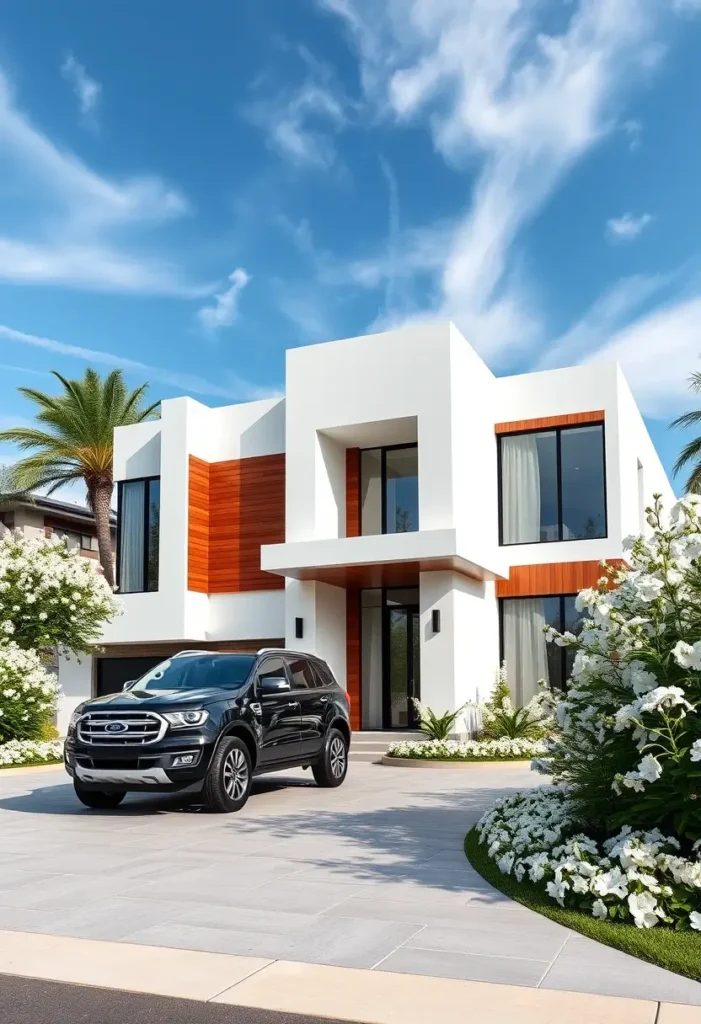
455, 762
675, 951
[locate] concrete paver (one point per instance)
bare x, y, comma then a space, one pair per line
371, 875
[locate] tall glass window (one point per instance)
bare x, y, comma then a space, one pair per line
389, 490
139, 504
523, 646
553, 485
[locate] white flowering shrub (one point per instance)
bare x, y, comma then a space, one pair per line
469, 750
19, 752
28, 694
634, 876
500, 718
629, 745
50, 596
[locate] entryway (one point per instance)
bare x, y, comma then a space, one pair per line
390, 657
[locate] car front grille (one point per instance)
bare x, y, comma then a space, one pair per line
121, 728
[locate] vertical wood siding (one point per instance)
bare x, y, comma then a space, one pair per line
352, 492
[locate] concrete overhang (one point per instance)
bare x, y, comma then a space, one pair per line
382, 560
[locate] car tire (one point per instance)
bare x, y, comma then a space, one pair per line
332, 767
98, 799
228, 781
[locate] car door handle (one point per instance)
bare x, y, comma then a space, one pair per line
293, 703
324, 700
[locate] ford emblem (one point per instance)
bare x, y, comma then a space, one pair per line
116, 727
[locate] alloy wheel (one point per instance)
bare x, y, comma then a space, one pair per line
337, 757
235, 774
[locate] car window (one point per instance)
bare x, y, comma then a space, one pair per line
197, 671
301, 674
324, 673
272, 668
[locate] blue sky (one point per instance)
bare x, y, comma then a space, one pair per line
186, 190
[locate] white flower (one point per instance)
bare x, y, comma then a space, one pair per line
557, 890
649, 769
599, 910
695, 920
687, 655
644, 909
610, 883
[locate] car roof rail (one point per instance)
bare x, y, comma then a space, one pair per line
181, 654
286, 650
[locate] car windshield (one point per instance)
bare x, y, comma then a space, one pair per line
198, 671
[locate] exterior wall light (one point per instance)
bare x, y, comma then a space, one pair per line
436, 620
299, 629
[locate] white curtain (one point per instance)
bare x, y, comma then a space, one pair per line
131, 537
371, 648
525, 650
520, 489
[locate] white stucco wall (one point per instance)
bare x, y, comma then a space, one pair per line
75, 680
322, 609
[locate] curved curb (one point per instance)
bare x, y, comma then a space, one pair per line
21, 768
425, 762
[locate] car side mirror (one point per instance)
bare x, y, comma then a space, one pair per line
129, 683
271, 685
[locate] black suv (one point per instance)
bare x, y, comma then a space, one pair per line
211, 718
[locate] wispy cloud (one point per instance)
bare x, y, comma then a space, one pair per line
87, 89
634, 130
231, 386
299, 123
627, 227
224, 310
500, 90
70, 217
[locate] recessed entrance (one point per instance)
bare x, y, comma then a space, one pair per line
389, 653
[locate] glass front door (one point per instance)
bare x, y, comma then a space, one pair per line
401, 676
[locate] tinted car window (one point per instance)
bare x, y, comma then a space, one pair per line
194, 672
272, 668
301, 674
324, 673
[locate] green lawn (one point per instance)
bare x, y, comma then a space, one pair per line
677, 951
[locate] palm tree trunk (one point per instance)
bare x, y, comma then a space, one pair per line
100, 500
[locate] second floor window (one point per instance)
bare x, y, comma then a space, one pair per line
553, 485
389, 489
138, 535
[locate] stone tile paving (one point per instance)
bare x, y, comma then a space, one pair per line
371, 875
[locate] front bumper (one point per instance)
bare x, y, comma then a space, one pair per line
150, 766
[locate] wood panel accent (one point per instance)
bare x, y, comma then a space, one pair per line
234, 507
353, 685
571, 419
198, 526
352, 492
552, 578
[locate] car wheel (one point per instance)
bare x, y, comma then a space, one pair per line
228, 780
332, 767
97, 799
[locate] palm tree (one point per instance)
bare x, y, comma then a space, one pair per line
77, 442
691, 452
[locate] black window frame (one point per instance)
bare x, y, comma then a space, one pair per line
558, 431
561, 628
383, 449
147, 480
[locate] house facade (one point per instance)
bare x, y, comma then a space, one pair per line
401, 512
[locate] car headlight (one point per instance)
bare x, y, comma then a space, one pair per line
181, 719
75, 718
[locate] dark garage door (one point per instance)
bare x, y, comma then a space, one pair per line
113, 673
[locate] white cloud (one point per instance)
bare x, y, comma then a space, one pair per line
231, 386
87, 89
298, 123
225, 308
506, 95
634, 130
627, 227
68, 216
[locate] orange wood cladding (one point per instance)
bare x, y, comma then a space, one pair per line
198, 526
552, 578
352, 492
235, 507
353, 687
571, 419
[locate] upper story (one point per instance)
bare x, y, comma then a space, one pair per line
397, 448
38, 516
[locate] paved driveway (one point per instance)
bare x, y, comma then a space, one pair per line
372, 875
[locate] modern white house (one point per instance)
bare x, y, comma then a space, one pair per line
402, 512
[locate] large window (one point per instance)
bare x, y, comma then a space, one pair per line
529, 658
552, 485
389, 489
139, 505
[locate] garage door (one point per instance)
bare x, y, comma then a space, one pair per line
113, 673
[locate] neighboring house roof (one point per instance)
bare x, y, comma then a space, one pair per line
65, 509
